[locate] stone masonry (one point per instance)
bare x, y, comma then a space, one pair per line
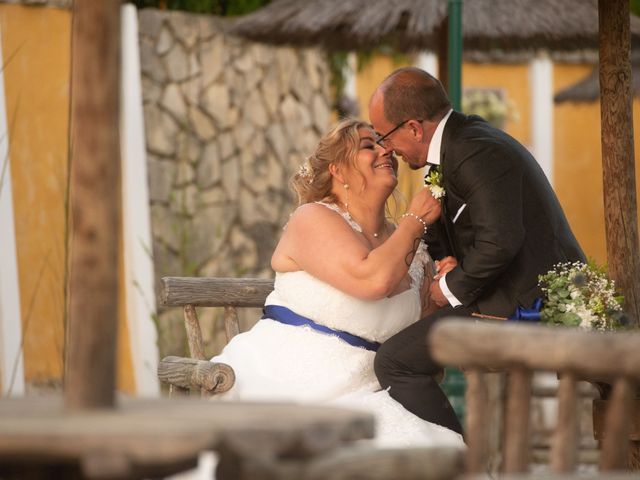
227, 123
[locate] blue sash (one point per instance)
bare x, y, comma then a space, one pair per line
284, 315
528, 314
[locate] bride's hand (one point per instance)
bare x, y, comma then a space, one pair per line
445, 266
425, 206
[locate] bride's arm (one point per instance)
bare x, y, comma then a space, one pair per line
319, 241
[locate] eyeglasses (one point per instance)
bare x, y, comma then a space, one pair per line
381, 140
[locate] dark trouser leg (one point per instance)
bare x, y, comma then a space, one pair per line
404, 363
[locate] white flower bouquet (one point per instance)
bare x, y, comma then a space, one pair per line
579, 294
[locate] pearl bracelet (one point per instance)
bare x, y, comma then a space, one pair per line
413, 215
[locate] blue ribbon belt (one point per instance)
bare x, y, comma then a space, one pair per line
528, 314
284, 315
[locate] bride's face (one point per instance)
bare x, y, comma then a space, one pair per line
375, 168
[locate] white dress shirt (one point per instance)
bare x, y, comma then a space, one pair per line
433, 156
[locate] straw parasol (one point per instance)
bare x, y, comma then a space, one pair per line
416, 24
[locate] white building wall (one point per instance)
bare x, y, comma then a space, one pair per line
11, 358
139, 275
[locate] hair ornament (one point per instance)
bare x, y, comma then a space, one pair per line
304, 171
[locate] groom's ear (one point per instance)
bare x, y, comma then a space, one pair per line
415, 127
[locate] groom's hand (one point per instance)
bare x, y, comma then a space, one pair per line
444, 266
437, 295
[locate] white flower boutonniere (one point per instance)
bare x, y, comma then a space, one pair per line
433, 181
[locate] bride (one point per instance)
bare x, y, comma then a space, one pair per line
346, 280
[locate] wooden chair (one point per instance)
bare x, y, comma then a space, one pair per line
521, 349
184, 374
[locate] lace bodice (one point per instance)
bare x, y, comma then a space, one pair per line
375, 320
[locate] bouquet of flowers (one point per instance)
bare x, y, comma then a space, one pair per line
581, 295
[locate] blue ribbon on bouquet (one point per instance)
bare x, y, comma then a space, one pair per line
528, 314
284, 315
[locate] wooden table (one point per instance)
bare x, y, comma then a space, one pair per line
147, 438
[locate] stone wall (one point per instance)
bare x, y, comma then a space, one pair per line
227, 123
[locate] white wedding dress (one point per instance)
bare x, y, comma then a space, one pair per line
279, 362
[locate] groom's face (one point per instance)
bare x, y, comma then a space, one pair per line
400, 138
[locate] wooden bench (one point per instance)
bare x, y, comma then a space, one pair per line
522, 349
246, 459
184, 374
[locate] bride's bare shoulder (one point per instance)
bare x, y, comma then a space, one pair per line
313, 212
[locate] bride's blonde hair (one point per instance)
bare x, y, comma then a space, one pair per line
312, 181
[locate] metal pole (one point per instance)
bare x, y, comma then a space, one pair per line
455, 52
454, 384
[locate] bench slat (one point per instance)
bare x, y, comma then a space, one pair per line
214, 292
503, 344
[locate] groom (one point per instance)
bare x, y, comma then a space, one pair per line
500, 219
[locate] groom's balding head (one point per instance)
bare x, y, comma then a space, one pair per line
411, 93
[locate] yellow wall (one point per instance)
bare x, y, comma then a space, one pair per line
513, 79
578, 163
36, 54
36, 51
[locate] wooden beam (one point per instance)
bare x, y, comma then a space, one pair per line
618, 168
200, 374
502, 345
95, 205
215, 292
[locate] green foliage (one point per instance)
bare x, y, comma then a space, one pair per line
338, 65
224, 8
634, 5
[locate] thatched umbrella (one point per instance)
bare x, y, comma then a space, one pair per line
418, 24
588, 89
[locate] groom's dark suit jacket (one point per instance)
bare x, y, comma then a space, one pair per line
509, 226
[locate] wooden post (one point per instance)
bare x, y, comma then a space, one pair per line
476, 421
516, 447
95, 204
620, 207
564, 450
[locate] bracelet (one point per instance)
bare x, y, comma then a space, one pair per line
413, 215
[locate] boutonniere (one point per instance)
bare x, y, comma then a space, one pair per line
433, 181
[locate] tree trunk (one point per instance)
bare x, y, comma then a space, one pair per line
618, 167
95, 204
620, 208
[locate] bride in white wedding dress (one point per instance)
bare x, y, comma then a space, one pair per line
346, 280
